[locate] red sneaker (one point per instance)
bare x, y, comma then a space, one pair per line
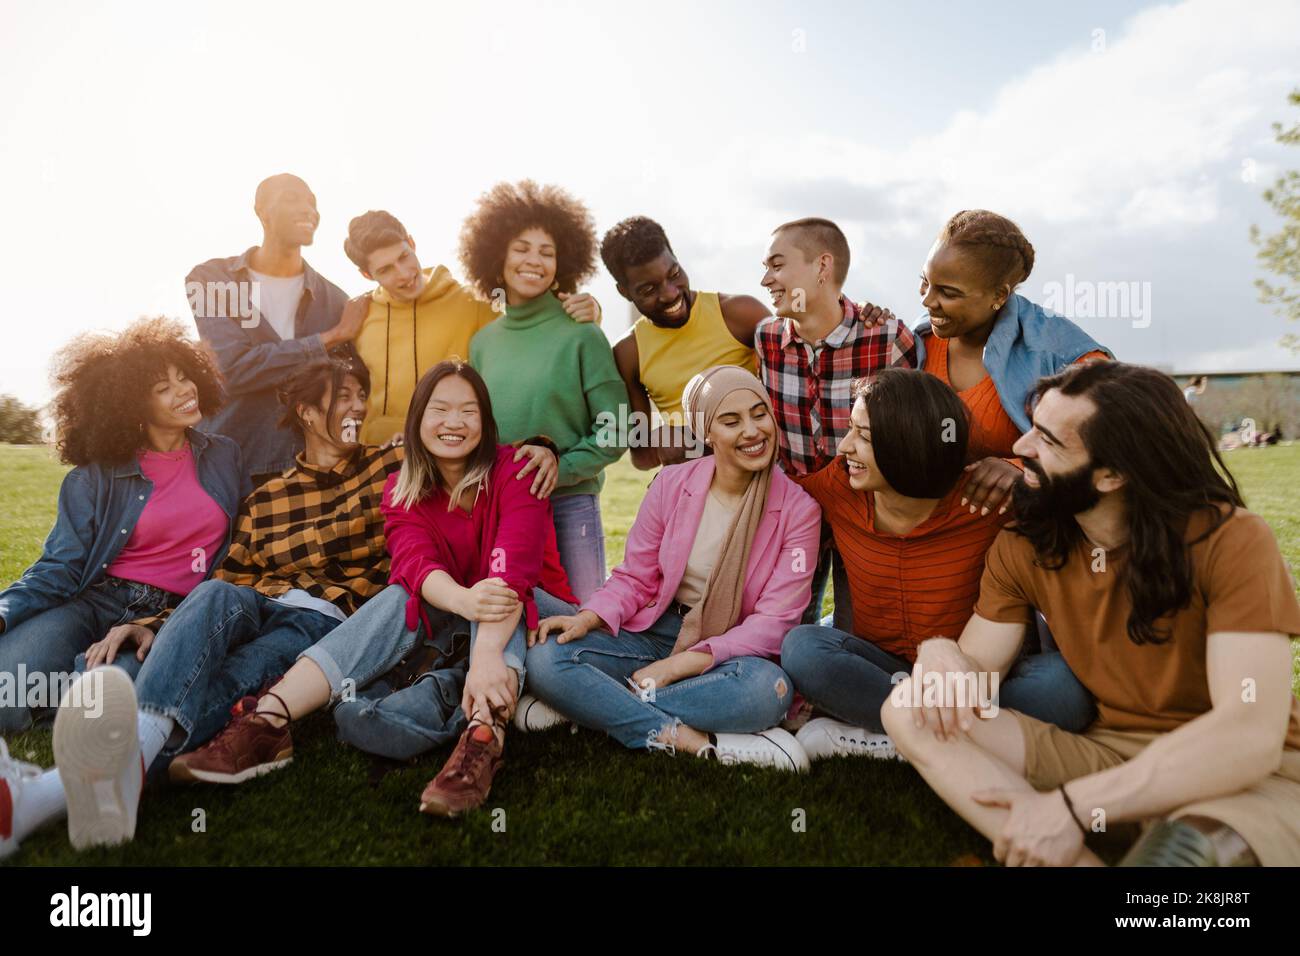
247, 747
466, 778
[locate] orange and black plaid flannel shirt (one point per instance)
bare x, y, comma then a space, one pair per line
316, 529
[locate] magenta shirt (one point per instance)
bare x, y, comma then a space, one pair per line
509, 534
179, 518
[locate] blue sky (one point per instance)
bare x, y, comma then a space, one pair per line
134, 135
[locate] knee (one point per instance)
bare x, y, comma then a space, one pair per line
208, 594
542, 661
212, 587
769, 687
361, 725
801, 647
896, 718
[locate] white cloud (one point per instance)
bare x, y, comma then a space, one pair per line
1141, 146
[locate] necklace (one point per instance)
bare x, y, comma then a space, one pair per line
172, 455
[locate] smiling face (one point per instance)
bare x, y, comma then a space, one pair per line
856, 447
791, 278
530, 265
397, 270
1059, 473
287, 209
659, 289
347, 412
452, 426
173, 402
743, 434
955, 295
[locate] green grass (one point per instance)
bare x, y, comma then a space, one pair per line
562, 798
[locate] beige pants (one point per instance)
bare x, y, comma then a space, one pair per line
1266, 814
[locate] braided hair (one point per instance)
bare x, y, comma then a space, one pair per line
999, 247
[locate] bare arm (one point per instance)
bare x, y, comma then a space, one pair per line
984, 647
628, 360
742, 313
1250, 690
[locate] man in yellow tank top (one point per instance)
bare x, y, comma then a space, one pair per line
679, 333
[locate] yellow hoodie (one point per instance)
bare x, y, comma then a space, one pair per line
400, 341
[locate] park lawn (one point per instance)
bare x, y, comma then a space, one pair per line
562, 798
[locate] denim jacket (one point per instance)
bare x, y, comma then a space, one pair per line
253, 359
1028, 342
99, 506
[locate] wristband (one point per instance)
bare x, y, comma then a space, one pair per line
1070, 807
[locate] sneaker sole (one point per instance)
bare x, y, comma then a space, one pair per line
183, 773
438, 807
91, 754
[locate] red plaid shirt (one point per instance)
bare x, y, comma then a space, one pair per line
811, 384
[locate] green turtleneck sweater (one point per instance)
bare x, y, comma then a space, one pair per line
549, 375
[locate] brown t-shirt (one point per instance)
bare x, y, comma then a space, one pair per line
1241, 583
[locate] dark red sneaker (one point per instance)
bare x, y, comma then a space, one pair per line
247, 747
466, 778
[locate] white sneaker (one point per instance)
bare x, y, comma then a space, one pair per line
532, 716
770, 748
13, 775
824, 737
97, 752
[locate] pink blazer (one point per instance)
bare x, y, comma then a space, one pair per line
778, 579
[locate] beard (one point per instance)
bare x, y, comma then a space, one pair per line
1055, 499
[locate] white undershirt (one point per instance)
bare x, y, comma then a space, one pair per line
276, 298
714, 523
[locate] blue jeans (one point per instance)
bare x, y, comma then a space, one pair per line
48, 643
224, 641
851, 678
581, 542
372, 712
587, 681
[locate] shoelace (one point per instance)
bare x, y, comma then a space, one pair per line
220, 744
471, 755
871, 746
16, 771
734, 754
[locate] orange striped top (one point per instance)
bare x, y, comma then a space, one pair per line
992, 432
905, 588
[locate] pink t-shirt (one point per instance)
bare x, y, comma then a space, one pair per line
180, 531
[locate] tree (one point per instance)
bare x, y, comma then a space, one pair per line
19, 425
1279, 253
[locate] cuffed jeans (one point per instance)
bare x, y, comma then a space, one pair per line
223, 642
357, 658
48, 644
587, 681
851, 678
580, 539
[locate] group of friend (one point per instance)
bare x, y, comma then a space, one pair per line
1048, 595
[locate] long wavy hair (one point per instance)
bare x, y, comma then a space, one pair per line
1144, 430
420, 474
102, 382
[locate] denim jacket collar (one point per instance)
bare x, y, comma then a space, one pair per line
312, 282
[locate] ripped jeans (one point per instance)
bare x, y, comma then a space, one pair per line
580, 539
587, 681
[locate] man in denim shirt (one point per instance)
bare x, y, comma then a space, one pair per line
265, 314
